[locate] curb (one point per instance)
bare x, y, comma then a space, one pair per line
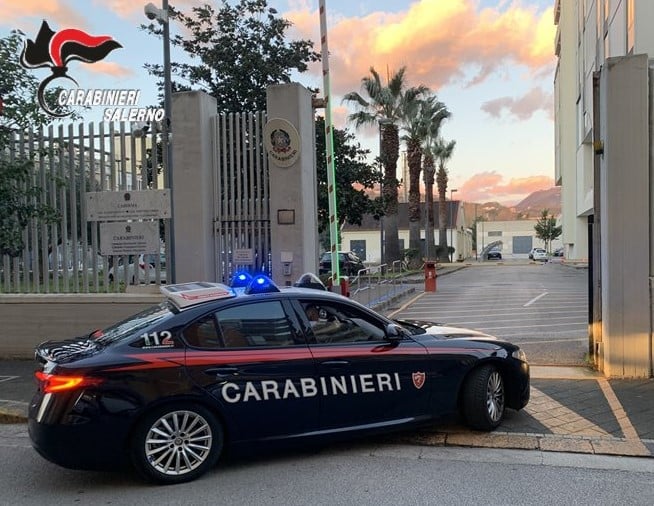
13, 412
526, 441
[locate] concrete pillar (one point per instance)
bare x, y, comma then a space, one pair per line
624, 181
290, 140
194, 251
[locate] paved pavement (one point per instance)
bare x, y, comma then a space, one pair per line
572, 409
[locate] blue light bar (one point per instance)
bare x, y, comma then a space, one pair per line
261, 284
241, 280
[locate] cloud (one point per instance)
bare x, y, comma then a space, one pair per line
492, 186
110, 68
17, 13
440, 42
128, 9
523, 107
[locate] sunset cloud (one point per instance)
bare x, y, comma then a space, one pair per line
440, 42
128, 9
523, 107
17, 14
110, 68
492, 186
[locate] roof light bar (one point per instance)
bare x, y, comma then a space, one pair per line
261, 284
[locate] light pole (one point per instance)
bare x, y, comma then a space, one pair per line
451, 220
161, 15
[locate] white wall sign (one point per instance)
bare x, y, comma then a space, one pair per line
282, 142
127, 205
243, 256
133, 238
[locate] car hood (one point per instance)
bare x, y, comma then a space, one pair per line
442, 330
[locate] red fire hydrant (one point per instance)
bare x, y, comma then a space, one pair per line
343, 289
430, 276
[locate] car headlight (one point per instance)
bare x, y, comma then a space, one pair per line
520, 355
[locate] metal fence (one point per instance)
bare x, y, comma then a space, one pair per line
64, 256
242, 194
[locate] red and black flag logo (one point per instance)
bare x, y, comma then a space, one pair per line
55, 50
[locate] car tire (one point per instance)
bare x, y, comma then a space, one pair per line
176, 443
484, 401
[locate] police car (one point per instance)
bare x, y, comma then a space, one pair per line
215, 367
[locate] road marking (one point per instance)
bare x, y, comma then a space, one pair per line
391, 315
625, 424
7, 378
535, 299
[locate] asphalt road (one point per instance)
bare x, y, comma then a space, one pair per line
375, 472
541, 307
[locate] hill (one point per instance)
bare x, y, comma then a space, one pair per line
530, 207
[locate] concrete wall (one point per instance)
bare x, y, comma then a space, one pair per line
28, 320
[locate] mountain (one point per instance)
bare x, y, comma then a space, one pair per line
530, 207
533, 204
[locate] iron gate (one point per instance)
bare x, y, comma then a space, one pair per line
241, 189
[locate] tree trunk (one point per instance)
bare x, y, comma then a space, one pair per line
429, 205
414, 159
441, 181
390, 154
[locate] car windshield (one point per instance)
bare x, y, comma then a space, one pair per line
134, 325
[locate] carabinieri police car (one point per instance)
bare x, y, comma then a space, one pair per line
215, 367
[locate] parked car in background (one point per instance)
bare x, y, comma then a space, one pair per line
558, 252
494, 254
539, 255
349, 264
136, 273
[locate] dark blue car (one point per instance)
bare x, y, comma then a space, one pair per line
213, 367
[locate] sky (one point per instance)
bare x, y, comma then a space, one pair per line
491, 62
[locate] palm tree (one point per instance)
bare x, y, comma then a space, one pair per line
421, 117
443, 152
383, 107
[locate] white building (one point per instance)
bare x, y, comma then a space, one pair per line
602, 141
367, 242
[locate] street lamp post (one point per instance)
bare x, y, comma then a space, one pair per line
161, 15
451, 220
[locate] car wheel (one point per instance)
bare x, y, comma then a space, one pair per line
175, 444
484, 398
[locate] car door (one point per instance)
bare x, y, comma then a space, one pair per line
251, 357
363, 378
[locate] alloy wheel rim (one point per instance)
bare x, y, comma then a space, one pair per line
178, 442
495, 397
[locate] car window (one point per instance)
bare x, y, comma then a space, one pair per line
203, 333
341, 323
135, 325
256, 324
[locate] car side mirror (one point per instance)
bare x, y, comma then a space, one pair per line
394, 333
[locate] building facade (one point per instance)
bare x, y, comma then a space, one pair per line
603, 118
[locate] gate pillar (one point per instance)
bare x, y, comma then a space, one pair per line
289, 137
192, 181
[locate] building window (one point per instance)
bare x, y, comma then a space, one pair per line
358, 246
497, 233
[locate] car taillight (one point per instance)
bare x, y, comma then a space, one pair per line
54, 383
